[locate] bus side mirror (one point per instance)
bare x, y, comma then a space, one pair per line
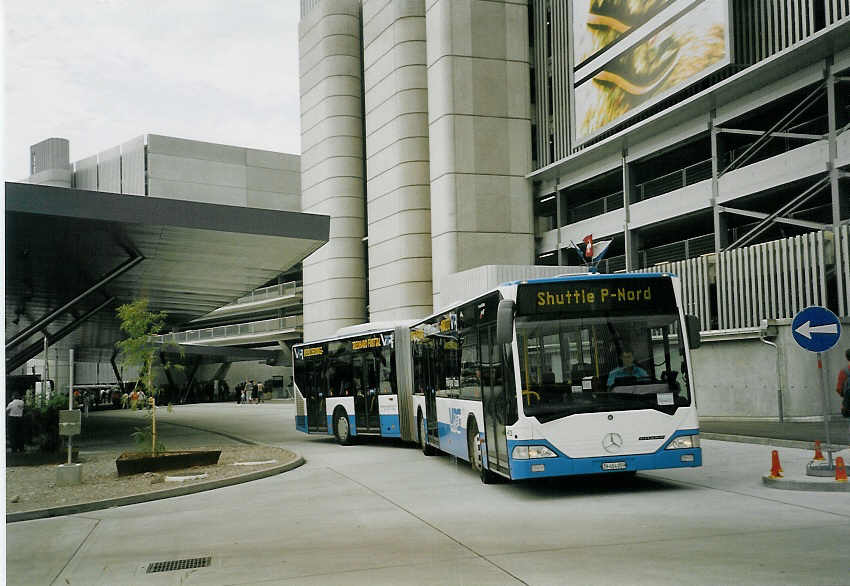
692, 324
505, 322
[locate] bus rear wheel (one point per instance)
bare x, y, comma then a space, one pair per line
342, 428
427, 449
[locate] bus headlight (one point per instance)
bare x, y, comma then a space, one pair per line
684, 441
531, 452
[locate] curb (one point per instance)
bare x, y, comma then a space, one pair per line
151, 496
766, 441
823, 486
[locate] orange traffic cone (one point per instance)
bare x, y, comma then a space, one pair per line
775, 467
840, 471
818, 453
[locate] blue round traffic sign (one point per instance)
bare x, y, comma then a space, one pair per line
816, 329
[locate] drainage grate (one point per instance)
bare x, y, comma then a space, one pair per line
174, 565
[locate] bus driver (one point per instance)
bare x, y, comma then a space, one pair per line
629, 369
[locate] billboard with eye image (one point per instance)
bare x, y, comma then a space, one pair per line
597, 24
652, 66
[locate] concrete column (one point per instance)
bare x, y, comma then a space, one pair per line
721, 235
480, 135
558, 207
332, 164
839, 203
397, 181
630, 236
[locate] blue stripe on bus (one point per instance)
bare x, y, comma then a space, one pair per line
453, 443
564, 465
390, 426
301, 423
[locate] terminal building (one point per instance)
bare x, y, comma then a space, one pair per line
263, 301
706, 137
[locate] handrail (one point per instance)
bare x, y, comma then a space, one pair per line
233, 330
602, 205
287, 289
677, 179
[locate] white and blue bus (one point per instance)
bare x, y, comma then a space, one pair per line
348, 385
581, 374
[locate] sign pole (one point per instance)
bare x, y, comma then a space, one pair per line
825, 409
70, 393
817, 329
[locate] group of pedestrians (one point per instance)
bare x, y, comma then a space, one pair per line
133, 400
250, 392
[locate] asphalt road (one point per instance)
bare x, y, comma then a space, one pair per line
382, 513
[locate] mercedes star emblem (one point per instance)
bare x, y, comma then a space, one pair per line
612, 442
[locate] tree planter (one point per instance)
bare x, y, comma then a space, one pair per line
138, 462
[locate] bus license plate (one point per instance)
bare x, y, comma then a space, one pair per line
613, 465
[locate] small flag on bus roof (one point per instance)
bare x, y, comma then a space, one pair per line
588, 246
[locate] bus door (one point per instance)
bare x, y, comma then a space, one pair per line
495, 400
316, 419
433, 381
310, 376
365, 394
314, 394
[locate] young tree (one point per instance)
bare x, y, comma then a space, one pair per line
139, 350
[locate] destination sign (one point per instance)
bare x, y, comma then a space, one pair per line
373, 341
629, 295
366, 343
308, 352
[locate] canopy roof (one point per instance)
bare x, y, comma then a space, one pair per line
187, 258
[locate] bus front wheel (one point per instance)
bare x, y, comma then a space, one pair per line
475, 456
427, 449
342, 428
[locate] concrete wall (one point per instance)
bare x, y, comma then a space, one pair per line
737, 377
192, 170
332, 164
134, 166
109, 170
398, 195
50, 163
85, 173
480, 134
200, 171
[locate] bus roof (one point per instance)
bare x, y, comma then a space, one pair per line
360, 330
590, 277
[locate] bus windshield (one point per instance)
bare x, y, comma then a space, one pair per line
601, 363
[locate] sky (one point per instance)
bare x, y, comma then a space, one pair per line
100, 72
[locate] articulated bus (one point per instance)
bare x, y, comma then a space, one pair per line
581, 374
349, 385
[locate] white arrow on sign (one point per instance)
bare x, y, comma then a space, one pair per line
807, 329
